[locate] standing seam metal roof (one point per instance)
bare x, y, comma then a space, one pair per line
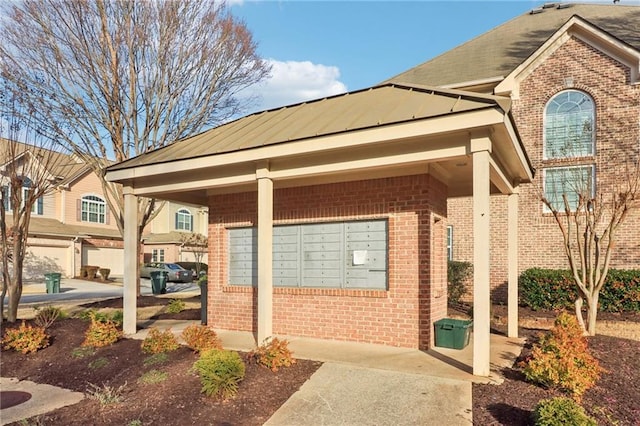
377, 106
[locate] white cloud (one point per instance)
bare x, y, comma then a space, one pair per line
293, 82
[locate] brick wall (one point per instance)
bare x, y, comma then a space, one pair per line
401, 316
575, 65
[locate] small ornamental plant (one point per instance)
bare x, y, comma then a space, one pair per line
201, 338
561, 359
159, 341
26, 338
273, 354
561, 411
47, 315
176, 306
101, 333
220, 372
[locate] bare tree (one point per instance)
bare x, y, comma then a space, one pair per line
589, 220
27, 174
197, 244
113, 79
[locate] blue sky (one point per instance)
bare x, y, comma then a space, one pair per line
322, 48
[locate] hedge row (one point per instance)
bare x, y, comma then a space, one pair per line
555, 289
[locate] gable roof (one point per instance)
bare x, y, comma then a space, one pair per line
498, 52
378, 106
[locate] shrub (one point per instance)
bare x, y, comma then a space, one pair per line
46, 316
457, 275
106, 395
561, 411
101, 333
175, 306
201, 338
220, 372
273, 353
555, 289
560, 359
114, 316
159, 341
26, 338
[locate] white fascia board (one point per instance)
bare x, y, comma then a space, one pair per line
416, 128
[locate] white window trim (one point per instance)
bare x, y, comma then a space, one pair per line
546, 209
183, 212
102, 203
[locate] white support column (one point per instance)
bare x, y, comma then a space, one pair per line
265, 253
512, 299
481, 148
130, 280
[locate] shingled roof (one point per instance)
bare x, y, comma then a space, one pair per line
496, 53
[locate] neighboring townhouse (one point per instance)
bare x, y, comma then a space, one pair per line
71, 226
573, 74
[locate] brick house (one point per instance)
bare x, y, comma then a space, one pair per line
72, 226
561, 64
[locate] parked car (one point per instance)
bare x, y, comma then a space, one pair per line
175, 272
194, 266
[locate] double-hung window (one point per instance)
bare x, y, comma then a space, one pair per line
569, 134
37, 207
93, 209
184, 220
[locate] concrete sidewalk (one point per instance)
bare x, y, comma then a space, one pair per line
367, 384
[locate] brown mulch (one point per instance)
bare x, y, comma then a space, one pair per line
175, 401
614, 399
178, 400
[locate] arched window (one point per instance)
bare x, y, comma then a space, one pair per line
184, 220
93, 209
569, 125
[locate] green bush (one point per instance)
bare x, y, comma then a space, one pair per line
561, 411
220, 372
176, 306
552, 289
457, 275
113, 316
561, 359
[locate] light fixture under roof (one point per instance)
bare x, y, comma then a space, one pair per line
536, 10
564, 5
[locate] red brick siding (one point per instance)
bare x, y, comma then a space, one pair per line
401, 316
579, 66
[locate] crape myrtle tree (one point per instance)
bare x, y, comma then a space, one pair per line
589, 219
27, 175
113, 79
196, 244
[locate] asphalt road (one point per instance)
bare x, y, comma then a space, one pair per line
72, 289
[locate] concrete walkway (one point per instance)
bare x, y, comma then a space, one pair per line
366, 384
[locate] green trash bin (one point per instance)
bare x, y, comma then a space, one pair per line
158, 282
52, 281
453, 333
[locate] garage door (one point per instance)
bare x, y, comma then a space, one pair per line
111, 258
41, 260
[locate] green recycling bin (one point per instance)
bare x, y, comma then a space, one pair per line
52, 281
158, 282
453, 333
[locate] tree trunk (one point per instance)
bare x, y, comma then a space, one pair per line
15, 293
592, 313
578, 306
